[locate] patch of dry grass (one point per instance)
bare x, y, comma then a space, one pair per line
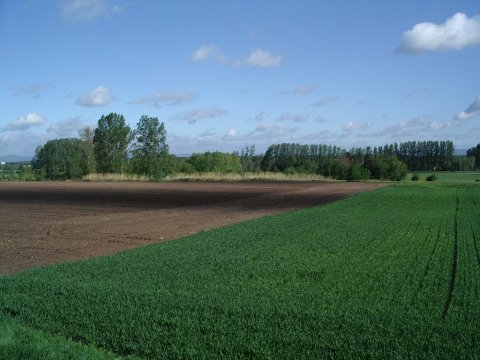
263, 176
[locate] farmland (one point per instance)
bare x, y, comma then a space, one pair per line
47, 222
393, 273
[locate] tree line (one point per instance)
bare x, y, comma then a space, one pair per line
113, 147
333, 161
107, 149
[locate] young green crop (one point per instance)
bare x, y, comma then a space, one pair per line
393, 273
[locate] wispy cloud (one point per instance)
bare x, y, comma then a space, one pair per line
266, 133
69, 127
353, 126
413, 128
199, 114
261, 58
209, 133
206, 52
258, 117
99, 96
471, 111
35, 90
25, 122
84, 10
303, 89
320, 119
262, 136
402, 129
274, 131
456, 33
166, 98
319, 136
324, 101
420, 93
293, 117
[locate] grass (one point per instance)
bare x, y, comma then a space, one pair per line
114, 177
261, 176
449, 177
393, 273
210, 176
21, 342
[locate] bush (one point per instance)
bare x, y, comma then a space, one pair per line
415, 177
432, 177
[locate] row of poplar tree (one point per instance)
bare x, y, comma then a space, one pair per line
385, 162
107, 149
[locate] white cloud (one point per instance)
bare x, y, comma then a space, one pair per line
352, 126
199, 114
261, 58
162, 98
25, 122
456, 33
265, 134
66, 128
262, 136
100, 96
232, 134
471, 111
324, 101
83, 10
403, 129
412, 128
21, 143
203, 53
437, 126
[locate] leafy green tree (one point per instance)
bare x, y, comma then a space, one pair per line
216, 161
150, 151
111, 140
394, 169
62, 159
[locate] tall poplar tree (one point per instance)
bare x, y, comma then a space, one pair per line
150, 152
111, 140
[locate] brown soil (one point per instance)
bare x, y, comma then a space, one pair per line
47, 222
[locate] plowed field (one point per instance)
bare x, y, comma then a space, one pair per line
48, 222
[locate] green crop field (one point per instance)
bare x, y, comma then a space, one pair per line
393, 273
449, 177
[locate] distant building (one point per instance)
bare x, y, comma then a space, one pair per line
2, 162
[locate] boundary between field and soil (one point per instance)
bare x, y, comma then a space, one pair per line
50, 222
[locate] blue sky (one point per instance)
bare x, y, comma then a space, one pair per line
228, 74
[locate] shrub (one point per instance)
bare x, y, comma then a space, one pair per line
415, 177
432, 177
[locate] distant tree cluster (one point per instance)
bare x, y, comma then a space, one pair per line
106, 149
474, 154
14, 171
216, 162
333, 161
63, 159
250, 161
423, 155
